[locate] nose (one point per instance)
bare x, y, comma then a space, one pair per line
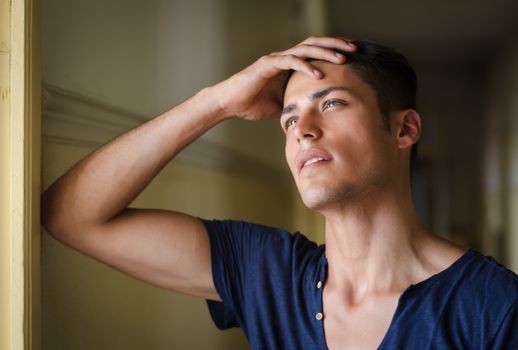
307, 128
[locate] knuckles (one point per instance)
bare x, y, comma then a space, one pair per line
264, 59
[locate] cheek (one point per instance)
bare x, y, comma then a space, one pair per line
290, 154
356, 146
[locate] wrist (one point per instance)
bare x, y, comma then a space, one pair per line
215, 103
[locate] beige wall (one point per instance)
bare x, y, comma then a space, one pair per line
145, 57
87, 305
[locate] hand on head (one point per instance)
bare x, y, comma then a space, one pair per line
256, 92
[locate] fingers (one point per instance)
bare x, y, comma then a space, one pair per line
319, 48
305, 51
324, 48
337, 43
295, 58
275, 63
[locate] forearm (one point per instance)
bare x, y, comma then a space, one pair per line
104, 183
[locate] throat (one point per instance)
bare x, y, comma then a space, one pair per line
361, 325
367, 257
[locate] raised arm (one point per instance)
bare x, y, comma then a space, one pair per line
87, 208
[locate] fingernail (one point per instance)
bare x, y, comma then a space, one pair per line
339, 55
317, 73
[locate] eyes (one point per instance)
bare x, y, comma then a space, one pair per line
291, 121
332, 103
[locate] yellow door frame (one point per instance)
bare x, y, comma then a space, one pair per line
20, 148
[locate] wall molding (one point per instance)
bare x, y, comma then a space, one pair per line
73, 119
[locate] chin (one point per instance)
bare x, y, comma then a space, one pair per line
322, 198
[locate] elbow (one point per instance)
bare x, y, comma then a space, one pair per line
62, 220
52, 216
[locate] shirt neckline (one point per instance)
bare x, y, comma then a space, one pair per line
446, 272
432, 279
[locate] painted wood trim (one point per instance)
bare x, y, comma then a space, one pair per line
24, 182
5, 178
17, 191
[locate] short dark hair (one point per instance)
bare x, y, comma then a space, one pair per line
391, 77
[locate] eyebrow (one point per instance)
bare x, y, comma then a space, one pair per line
315, 96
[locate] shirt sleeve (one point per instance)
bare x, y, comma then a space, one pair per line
234, 248
507, 334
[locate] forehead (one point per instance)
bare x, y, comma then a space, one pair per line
302, 85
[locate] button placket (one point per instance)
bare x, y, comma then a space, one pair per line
319, 315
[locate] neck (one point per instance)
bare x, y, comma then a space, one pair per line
375, 245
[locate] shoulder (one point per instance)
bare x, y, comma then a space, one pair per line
244, 228
474, 276
470, 301
484, 289
488, 276
498, 299
475, 287
240, 234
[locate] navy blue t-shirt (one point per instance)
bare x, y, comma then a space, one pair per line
271, 284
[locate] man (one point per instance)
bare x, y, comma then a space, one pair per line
382, 279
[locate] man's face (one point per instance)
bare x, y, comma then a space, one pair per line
336, 146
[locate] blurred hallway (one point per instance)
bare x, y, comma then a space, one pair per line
466, 59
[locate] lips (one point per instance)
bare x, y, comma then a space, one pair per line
311, 156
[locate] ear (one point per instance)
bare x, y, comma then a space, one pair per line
408, 128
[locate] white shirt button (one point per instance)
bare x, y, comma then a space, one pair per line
319, 316
319, 284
